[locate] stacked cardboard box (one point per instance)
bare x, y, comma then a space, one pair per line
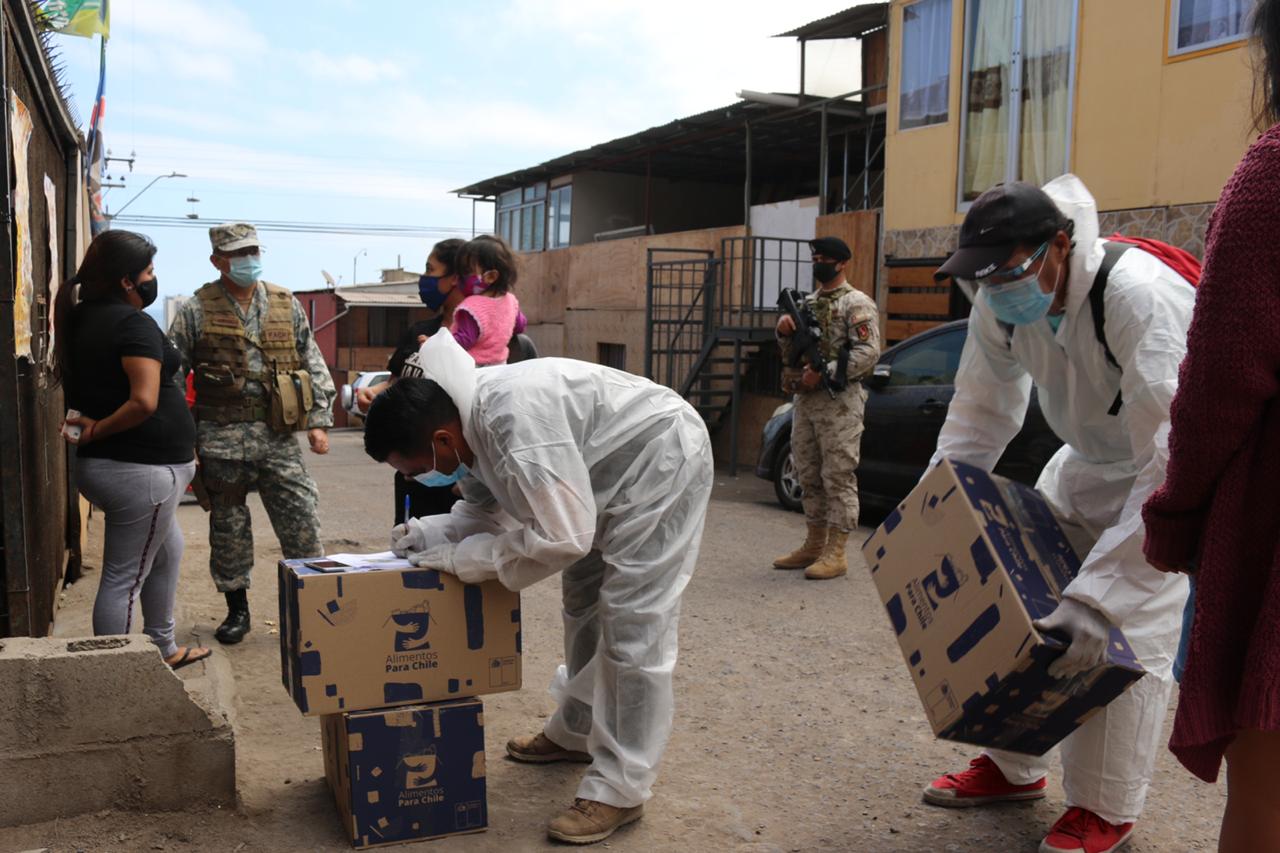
963, 566
392, 660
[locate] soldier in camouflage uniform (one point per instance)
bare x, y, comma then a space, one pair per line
250, 347
826, 430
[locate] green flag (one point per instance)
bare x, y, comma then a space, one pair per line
77, 17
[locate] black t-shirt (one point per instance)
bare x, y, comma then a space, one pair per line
101, 333
409, 345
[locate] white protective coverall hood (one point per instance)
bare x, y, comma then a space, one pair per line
1098, 481
605, 476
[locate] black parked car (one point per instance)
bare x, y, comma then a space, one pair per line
906, 406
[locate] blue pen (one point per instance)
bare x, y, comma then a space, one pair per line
406, 510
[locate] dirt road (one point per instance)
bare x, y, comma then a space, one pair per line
797, 726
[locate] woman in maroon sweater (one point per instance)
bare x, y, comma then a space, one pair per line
1218, 513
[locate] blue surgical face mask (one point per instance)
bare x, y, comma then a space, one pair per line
246, 271
1019, 302
433, 479
429, 292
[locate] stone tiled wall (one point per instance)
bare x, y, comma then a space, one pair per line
1181, 225
921, 242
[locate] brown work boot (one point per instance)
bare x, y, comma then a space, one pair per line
588, 821
807, 553
540, 749
833, 563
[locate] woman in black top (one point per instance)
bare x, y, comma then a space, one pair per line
134, 434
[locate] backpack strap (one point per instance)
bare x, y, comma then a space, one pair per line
1097, 292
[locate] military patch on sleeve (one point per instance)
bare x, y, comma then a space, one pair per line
863, 331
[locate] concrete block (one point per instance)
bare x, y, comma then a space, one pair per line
105, 718
94, 690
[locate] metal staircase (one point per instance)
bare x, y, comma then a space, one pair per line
710, 322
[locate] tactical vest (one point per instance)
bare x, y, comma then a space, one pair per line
222, 356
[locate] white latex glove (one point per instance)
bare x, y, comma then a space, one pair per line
470, 561
438, 557
1089, 630
405, 539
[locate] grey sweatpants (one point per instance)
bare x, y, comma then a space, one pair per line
142, 551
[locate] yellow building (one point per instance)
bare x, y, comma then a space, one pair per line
1148, 101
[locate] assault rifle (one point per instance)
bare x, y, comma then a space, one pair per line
806, 342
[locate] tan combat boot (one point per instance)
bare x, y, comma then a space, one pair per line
540, 749
833, 563
588, 821
807, 553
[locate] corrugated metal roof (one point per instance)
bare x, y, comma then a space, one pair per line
855, 22
708, 146
376, 299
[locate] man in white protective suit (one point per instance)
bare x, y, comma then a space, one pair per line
1028, 259
580, 469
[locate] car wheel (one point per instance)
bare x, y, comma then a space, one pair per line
786, 482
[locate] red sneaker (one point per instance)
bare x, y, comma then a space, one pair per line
981, 784
1082, 831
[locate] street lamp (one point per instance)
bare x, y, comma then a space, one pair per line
353, 263
140, 192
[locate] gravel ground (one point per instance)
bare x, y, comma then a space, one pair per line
797, 725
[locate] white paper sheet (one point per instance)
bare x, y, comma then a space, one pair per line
366, 562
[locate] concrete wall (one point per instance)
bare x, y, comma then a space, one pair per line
1147, 132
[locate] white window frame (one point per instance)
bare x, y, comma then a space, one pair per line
532, 196
1174, 7
552, 222
1012, 155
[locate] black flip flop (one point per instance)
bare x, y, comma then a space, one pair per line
187, 659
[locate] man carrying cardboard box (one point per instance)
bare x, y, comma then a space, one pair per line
579, 469
1035, 269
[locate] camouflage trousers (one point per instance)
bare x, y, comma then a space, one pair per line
826, 444
289, 495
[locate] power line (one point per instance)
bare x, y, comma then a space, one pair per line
280, 226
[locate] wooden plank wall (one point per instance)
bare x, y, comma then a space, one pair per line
585, 330
611, 275
858, 228
915, 302
542, 285
875, 65
579, 297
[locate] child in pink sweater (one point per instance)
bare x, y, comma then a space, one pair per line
489, 315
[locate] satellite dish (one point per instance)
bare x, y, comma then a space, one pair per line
328, 278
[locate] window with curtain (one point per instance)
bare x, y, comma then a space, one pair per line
926, 64
1017, 93
1200, 24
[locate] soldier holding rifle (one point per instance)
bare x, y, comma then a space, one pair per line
829, 342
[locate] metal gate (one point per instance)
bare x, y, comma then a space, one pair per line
680, 306
710, 320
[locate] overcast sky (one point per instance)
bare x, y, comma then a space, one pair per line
371, 112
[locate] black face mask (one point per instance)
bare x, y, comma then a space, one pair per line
825, 273
147, 291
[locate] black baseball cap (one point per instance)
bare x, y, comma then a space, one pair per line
1001, 219
831, 247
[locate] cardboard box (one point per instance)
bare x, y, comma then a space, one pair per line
407, 774
358, 640
963, 566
